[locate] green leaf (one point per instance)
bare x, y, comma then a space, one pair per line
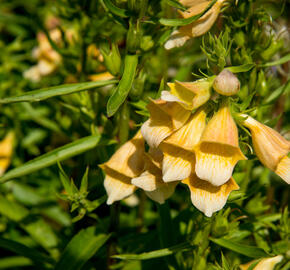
25, 251
84, 182
52, 157
80, 249
64, 89
156, 253
250, 251
176, 4
281, 61
121, 92
277, 93
14, 261
116, 10
180, 22
12, 210
242, 68
64, 180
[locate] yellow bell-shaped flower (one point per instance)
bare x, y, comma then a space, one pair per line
179, 158
165, 118
270, 147
197, 28
190, 95
126, 163
151, 179
209, 198
218, 150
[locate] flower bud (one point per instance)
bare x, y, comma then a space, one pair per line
226, 83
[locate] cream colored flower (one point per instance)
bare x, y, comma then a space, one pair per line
264, 264
151, 179
270, 147
209, 198
126, 163
197, 28
6, 148
179, 158
165, 118
189, 95
218, 150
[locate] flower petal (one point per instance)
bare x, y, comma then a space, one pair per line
177, 163
189, 135
154, 187
6, 147
145, 181
283, 169
117, 186
162, 193
128, 159
203, 24
206, 197
269, 145
215, 163
176, 39
264, 264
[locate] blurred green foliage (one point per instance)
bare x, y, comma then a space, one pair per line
55, 216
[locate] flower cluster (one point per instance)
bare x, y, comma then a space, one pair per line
183, 147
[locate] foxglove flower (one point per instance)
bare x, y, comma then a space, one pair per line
197, 28
126, 163
209, 198
270, 147
165, 118
151, 179
218, 150
189, 95
179, 159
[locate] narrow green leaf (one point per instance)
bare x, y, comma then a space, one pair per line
84, 182
116, 10
156, 253
277, 93
64, 180
52, 157
180, 22
176, 4
25, 251
242, 68
45, 93
250, 251
121, 92
80, 249
281, 61
14, 261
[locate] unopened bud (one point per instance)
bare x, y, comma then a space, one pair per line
226, 83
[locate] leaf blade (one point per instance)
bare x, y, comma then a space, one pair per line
250, 251
52, 157
45, 93
80, 249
